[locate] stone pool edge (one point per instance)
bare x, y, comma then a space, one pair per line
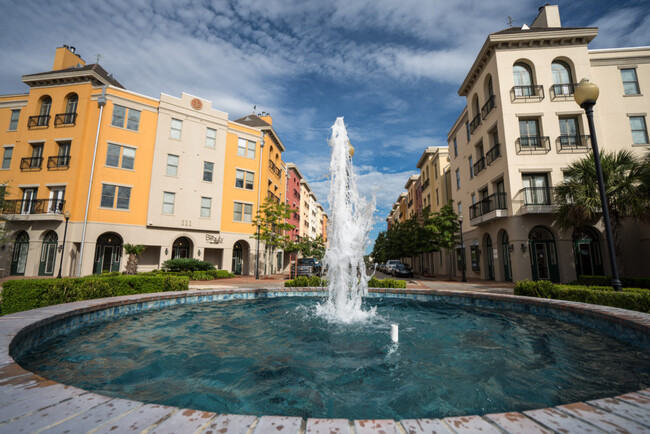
36, 403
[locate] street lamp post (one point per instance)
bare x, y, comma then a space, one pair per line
586, 95
462, 249
65, 233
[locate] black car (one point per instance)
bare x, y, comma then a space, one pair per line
402, 270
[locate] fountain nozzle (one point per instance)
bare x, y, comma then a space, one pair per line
394, 332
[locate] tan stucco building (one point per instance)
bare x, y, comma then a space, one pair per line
521, 128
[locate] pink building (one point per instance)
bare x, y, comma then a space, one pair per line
292, 196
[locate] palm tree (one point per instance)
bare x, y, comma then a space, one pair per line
578, 198
133, 250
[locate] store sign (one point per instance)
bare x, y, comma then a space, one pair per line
211, 239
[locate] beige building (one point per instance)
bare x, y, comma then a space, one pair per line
432, 165
521, 128
411, 193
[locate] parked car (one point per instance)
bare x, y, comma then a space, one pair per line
390, 264
402, 270
307, 267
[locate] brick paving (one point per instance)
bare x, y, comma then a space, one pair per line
34, 404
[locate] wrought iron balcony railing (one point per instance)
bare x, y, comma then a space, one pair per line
537, 195
479, 166
489, 105
573, 143
58, 162
475, 123
273, 197
563, 91
425, 184
41, 121
533, 144
526, 93
65, 119
410, 204
275, 169
31, 163
492, 202
33, 206
492, 154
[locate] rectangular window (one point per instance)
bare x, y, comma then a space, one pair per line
529, 136
460, 209
639, 130
437, 197
210, 137
206, 204
457, 180
117, 153
467, 129
177, 126
471, 167
109, 195
435, 171
168, 202
208, 168
630, 81
244, 179
13, 123
455, 147
243, 212
6, 158
172, 165
121, 114
246, 148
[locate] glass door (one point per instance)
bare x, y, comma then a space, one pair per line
48, 255
535, 190
237, 259
569, 132
528, 133
489, 258
29, 201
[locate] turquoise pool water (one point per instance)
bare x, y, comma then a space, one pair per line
275, 356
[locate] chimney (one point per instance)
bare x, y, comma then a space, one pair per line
65, 57
549, 16
267, 118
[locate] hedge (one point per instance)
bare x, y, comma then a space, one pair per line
20, 295
628, 282
629, 298
193, 275
304, 281
186, 264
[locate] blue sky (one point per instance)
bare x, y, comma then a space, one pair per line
391, 68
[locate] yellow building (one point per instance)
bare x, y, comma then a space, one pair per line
78, 145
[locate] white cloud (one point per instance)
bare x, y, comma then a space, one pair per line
623, 27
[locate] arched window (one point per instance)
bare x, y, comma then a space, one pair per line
543, 255
562, 82
108, 253
71, 104
523, 77
182, 248
46, 105
489, 88
475, 106
43, 118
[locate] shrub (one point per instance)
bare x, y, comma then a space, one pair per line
628, 282
20, 295
386, 283
186, 264
304, 281
630, 298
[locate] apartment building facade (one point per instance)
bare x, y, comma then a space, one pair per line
521, 128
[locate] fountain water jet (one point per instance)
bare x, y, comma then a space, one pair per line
350, 224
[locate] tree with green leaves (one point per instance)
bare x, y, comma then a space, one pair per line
445, 229
578, 197
133, 251
312, 247
271, 227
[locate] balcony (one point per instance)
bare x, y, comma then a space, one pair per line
527, 93
41, 121
31, 164
490, 208
33, 209
410, 203
492, 154
59, 162
573, 143
273, 197
563, 91
533, 145
489, 105
65, 119
475, 123
425, 184
479, 166
535, 200
275, 169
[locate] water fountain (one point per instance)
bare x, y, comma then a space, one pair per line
350, 223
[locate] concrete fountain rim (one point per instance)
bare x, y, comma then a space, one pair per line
15, 380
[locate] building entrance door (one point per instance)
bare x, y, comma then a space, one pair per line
543, 256
237, 258
489, 260
19, 258
48, 254
505, 253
